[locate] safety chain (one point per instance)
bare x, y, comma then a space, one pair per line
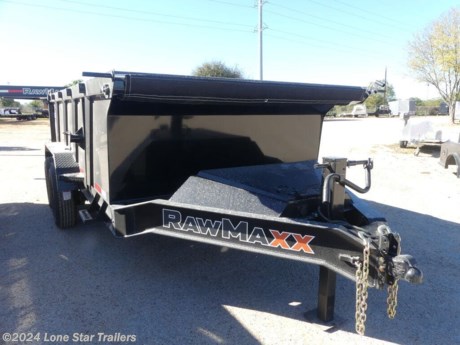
362, 274
392, 299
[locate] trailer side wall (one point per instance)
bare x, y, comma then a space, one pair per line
166, 150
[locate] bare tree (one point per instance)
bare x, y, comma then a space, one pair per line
434, 57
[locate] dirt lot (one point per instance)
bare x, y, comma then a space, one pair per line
167, 291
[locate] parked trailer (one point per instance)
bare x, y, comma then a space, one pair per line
227, 162
359, 110
403, 108
15, 113
420, 133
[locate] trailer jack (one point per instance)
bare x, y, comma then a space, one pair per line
381, 247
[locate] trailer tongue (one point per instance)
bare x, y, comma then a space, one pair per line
222, 161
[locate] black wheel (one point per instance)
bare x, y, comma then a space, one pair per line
403, 144
62, 203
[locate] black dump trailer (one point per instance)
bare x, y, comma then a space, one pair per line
227, 162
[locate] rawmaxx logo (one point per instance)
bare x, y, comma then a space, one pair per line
226, 229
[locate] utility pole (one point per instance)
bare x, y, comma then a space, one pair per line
385, 91
261, 63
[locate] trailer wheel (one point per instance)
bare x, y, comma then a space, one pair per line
403, 144
48, 162
64, 209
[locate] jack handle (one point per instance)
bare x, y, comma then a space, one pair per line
368, 165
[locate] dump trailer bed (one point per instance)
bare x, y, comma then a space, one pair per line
228, 162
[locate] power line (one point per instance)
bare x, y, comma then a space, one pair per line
347, 12
305, 39
231, 4
372, 13
124, 9
129, 18
360, 29
328, 27
321, 45
324, 43
304, 42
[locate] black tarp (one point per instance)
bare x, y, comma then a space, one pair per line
174, 93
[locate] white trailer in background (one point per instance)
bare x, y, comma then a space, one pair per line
359, 110
402, 108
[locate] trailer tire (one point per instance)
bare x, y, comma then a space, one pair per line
403, 144
64, 211
48, 162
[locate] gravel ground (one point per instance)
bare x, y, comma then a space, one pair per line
167, 291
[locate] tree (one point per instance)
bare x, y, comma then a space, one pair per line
74, 82
418, 101
375, 100
434, 57
217, 69
36, 104
9, 102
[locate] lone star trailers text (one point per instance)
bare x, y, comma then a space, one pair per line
76, 337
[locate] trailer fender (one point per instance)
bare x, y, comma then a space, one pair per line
67, 169
452, 159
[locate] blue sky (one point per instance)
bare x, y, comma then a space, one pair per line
350, 42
